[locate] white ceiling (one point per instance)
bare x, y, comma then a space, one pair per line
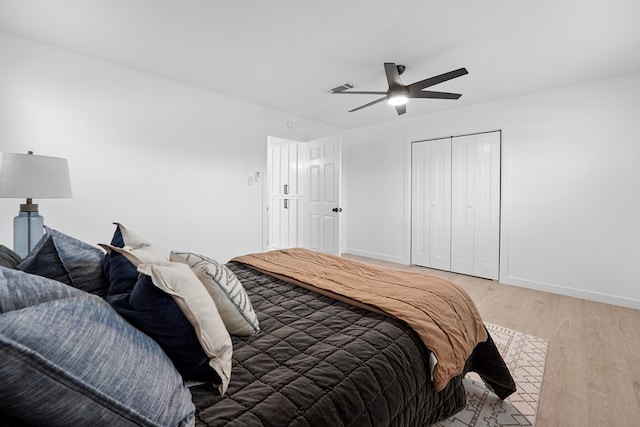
287, 54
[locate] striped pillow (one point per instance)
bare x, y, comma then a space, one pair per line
226, 290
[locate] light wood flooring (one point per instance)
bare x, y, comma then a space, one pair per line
592, 372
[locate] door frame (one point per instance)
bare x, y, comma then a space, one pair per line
304, 180
502, 241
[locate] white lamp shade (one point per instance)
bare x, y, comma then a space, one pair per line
34, 177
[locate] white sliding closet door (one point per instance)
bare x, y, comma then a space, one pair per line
455, 204
431, 203
475, 207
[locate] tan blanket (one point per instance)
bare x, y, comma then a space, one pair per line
441, 312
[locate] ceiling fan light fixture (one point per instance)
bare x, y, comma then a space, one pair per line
398, 99
398, 96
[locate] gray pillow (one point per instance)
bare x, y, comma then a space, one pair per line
68, 260
19, 290
9, 258
71, 360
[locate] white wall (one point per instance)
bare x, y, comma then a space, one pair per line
172, 162
169, 161
570, 181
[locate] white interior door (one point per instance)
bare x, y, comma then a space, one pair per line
475, 227
321, 222
431, 203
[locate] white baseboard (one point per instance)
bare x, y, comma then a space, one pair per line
524, 283
572, 292
375, 255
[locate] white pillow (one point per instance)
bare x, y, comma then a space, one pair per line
226, 290
181, 283
144, 252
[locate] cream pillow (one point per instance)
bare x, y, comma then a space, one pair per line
226, 290
144, 252
181, 283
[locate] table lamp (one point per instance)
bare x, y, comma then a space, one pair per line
32, 177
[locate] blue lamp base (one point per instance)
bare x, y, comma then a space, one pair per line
28, 229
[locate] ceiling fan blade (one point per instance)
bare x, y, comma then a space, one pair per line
360, 92
437, 79
401, 109
393, 78
368, 105
436, 95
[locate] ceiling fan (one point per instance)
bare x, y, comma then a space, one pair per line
398, 94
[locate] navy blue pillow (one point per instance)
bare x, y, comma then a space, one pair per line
118, 242
154, 312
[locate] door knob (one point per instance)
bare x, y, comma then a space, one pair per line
337, 209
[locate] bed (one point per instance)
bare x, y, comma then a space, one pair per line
320, 358
319, 361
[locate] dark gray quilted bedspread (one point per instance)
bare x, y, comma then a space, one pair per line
320, 362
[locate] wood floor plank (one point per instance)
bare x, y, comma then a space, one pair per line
592, 372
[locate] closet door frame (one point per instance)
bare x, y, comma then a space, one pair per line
483, 244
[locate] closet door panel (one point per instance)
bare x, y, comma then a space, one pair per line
431, 203
475, 228
419, 204
440, 204
487, 206
463, 204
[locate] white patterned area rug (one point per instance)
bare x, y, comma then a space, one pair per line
525, 356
